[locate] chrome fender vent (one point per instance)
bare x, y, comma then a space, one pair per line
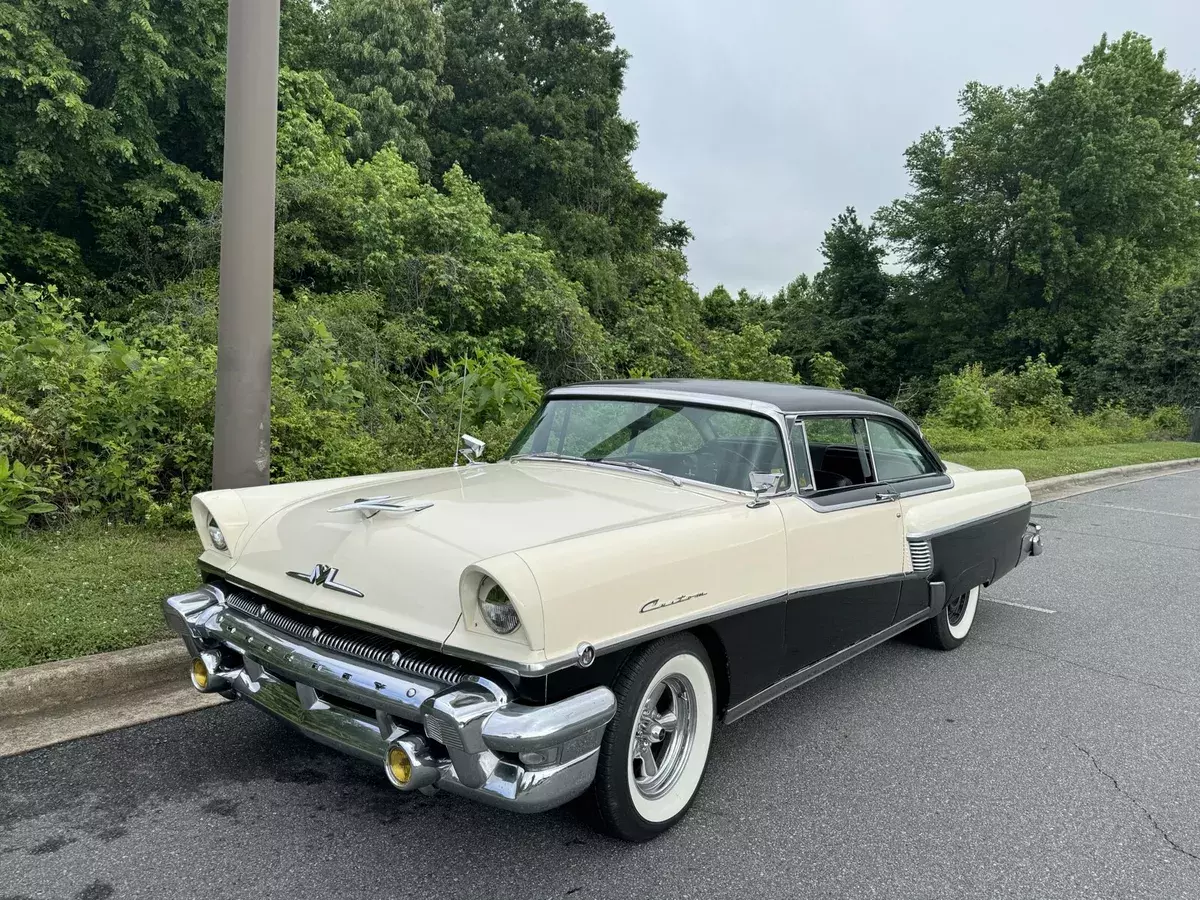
921, 554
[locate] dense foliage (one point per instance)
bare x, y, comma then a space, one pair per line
459, 225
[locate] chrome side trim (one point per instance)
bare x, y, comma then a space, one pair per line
977, 520
709, 615
808, 673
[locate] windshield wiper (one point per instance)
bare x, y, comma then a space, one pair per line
549, 454
617, 463
639, 467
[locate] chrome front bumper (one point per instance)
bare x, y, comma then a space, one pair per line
468, 738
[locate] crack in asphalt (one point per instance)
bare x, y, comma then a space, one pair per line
1138, 803
1087, 668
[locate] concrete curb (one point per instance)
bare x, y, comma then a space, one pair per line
1068, 485
72, 681
49, 703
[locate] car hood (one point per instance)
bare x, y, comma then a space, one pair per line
407, 565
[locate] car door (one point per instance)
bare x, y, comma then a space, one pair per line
845, 542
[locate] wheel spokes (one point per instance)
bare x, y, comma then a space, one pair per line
649, 765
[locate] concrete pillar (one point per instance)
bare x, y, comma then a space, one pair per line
242, 434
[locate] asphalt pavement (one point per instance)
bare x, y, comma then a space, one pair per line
1053, 755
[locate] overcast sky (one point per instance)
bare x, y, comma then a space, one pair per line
763, 120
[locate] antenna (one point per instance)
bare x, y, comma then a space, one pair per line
461, 403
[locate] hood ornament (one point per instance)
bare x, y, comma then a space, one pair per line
372, 506
326, 576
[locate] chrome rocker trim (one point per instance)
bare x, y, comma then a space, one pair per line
506, 754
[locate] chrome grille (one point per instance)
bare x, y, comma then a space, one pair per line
921, 554
445, 734
345, 640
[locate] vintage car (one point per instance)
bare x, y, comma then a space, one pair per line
649, 557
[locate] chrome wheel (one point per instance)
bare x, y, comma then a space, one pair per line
957, 608
663, 735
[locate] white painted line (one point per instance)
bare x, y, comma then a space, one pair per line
1021, 605
1153, 512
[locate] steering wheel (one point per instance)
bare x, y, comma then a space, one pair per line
710, 451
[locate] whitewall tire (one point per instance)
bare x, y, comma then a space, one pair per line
655, 750
949, 628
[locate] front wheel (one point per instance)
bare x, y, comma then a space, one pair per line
949, 628
655, 750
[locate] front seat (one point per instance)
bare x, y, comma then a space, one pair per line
825, 480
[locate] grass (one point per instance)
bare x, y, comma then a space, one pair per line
1037, 464
88, 587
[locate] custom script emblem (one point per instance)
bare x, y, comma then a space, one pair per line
326, 577
658, 603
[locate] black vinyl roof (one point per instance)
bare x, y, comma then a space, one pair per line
790, 398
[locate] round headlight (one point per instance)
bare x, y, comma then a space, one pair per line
215, 535
497, 609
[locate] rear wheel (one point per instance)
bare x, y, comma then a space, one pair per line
655, 750
949, 628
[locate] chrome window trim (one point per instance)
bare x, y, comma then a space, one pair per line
650, 392
929, 490
977, 520
871, 452
837, 507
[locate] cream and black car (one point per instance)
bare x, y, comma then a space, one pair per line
649, 557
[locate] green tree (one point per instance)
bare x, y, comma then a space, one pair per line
384, 58
857, 317
111, 128
1033, 223
1151, 357
536, 122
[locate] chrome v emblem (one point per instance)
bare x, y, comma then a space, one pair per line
325, 576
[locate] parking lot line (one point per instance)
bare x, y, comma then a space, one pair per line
1021, 605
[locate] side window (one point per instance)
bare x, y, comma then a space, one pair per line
840, 453
800, 456
897, 456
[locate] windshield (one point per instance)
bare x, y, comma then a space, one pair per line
714, 446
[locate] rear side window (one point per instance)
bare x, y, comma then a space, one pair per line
840, 452
897, 456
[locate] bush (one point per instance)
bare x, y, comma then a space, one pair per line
1035, 387
964, 400
20, 494
119, 420
1029, 410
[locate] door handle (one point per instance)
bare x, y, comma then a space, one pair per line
886, 496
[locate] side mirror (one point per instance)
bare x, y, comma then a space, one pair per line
763, 483
471, 449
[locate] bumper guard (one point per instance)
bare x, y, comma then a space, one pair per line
506, 754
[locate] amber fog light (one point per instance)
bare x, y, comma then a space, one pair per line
199, 674
399, 766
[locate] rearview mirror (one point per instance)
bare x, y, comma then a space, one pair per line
471, 450
763, 483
